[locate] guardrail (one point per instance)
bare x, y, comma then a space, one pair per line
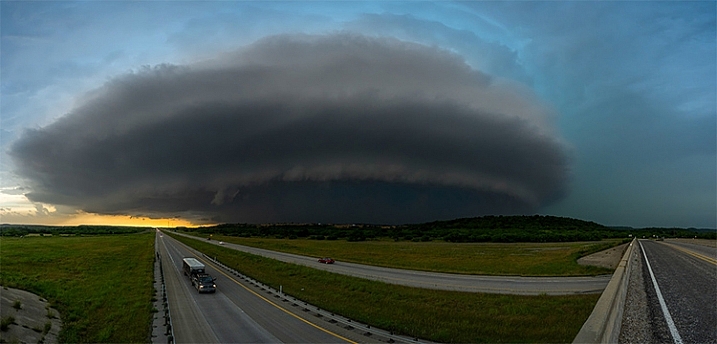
346, 323
603, 325
169, 331
167, 317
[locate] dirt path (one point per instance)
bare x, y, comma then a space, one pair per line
607, 258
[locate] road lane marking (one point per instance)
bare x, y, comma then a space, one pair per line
206, 334
670, 323
218, 269
694, 254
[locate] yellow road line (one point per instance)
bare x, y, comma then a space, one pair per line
694, 254
276, 305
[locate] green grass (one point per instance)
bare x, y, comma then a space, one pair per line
527, 259
100, 285
442, 316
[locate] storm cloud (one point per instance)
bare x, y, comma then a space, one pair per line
335, 128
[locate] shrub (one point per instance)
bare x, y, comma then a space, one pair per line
6, 322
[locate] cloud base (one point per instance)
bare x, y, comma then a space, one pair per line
337, 128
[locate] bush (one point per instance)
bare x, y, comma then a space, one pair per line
6, 322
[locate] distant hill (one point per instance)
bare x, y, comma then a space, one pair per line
536, 228
539, 228
519, 228
690, 229
514, 222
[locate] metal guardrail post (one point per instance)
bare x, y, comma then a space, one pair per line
167, 317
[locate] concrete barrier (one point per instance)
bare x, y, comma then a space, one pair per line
603, 325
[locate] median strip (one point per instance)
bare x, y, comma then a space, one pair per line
347, 323
441, 316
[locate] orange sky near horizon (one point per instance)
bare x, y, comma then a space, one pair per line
18, 210
100, 220
125, 220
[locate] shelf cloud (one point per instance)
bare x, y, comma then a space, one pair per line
330, 128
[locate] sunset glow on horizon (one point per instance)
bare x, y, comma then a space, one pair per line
124, 220
112, 220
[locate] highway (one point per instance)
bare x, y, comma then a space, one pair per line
680, 292
236, 313
674, 300
517, 285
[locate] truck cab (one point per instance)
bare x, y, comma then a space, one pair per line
204, 283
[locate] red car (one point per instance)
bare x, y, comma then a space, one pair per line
326, 260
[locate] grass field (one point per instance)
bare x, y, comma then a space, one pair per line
452, 317
527, 259
101, 285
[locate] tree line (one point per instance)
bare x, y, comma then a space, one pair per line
536, 228
23, 230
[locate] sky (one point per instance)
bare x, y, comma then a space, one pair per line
190, 113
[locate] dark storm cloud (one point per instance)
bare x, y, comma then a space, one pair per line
339, 128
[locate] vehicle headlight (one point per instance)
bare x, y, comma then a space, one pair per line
214, 285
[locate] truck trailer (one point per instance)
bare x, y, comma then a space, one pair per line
191, 266
200, 280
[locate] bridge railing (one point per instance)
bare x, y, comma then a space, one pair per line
603, 325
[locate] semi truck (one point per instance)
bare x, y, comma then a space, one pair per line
194, 269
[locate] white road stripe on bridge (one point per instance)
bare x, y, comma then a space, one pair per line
670, 323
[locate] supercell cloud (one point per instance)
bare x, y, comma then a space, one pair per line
338, 128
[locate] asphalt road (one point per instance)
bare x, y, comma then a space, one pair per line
235, 313
683, 306
442, 281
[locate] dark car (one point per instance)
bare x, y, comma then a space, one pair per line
326, 260
204, 283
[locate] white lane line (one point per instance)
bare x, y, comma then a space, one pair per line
670, 324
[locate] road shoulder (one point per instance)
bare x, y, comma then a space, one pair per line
636, 324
